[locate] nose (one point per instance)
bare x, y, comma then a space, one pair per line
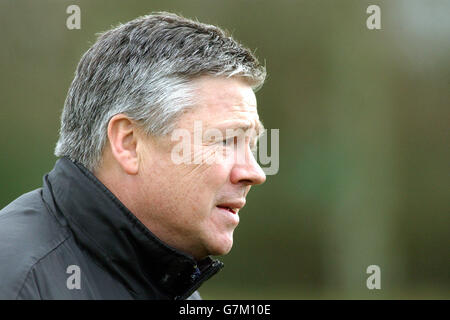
248, 172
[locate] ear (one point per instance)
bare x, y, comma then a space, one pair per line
122, 135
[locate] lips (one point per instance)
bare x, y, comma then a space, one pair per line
232, 206
232, 210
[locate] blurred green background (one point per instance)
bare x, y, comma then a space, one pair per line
363, 118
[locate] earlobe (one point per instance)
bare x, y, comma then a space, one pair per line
123, 142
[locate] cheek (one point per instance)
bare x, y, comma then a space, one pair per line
190, 188
211, 171
217, 176
203, 187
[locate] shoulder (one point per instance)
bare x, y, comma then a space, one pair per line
28, 233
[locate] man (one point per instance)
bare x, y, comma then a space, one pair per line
117, 217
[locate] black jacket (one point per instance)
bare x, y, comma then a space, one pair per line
75, 227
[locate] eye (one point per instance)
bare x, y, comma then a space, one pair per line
229, 141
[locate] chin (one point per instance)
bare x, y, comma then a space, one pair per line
221, 246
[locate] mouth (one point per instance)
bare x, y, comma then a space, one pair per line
230, 209
232, 206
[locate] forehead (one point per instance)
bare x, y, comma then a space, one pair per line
225, 102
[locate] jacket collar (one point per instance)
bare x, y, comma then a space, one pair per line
112, 234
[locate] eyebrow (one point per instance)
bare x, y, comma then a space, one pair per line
244, 125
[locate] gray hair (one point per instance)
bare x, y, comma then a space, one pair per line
144, 69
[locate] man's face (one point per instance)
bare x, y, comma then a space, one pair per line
194, 206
